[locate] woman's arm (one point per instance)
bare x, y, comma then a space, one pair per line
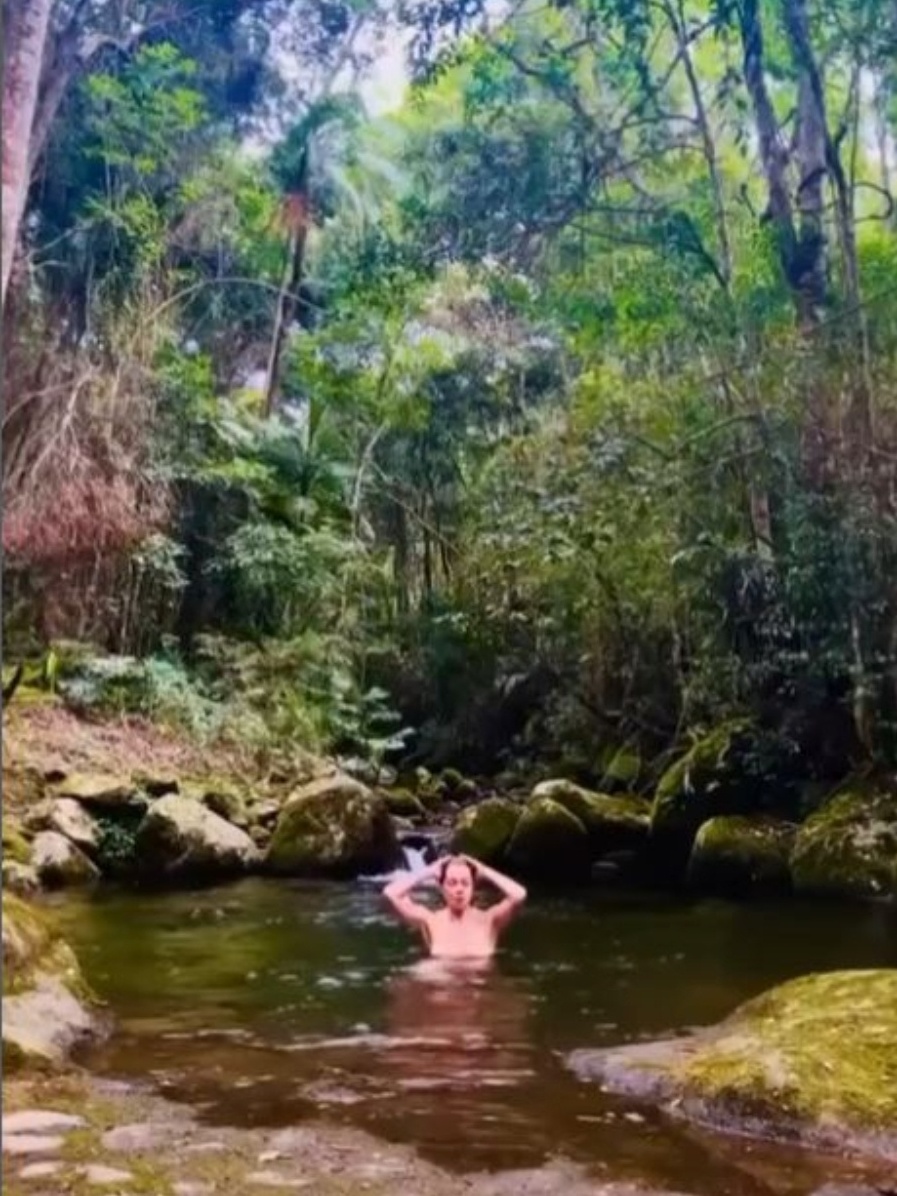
398, 894
514, 894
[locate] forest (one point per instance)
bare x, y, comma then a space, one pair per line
540, 415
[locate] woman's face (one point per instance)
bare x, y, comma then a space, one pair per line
457, 886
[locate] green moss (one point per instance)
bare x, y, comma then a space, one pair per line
736, 769
27, 936
622, 770
403, 804
613, 823
451, 778
736, 855
819, 1049
849, 848
15, 845
484, 830
549, 843
333, 826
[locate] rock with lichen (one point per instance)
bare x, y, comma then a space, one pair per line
549, 843
813, 1060
737, 768
849, 848
739, 856
334, 826
48, 1009
613, 823
484, 830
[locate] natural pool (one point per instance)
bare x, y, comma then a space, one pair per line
265, 1003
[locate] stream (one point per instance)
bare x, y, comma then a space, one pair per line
266, 1003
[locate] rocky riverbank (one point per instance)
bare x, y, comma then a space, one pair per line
130, 802
813, 1061
82, 1135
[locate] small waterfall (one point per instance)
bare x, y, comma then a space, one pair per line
418, 850
415, 858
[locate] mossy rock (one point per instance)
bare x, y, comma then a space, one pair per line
849, 848
222, 797
180, 840
452, 780
334, 826
15, 846
100, 790
813, 1060
738, 856
48, 1009
612, 823
736, 769
401, 803
484, 830
549, 843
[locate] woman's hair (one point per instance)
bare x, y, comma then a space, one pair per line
456, 859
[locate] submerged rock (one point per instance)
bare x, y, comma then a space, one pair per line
333, 826
813, 1060
180, 840
613, 823
59, 863
849, 848
736, 856
47, 1008
549, 843
485, 829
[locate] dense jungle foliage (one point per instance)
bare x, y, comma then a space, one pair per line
549, 410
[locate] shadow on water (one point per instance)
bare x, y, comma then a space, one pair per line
266, 1003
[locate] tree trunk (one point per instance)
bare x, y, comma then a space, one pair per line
25, 35
773, 154
283, 316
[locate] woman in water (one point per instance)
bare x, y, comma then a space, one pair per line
459, 929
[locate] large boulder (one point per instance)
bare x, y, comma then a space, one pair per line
334, 826
59, 863
736, 856
180, 839
47, 1008
849, 848
613, 823
484, 830
736, 769
814, 1060
549, 843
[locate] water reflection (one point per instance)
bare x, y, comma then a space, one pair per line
267, 1003
457, 1024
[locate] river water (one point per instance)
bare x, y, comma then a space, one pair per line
266, 1003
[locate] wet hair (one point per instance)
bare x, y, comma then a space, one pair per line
454, 859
